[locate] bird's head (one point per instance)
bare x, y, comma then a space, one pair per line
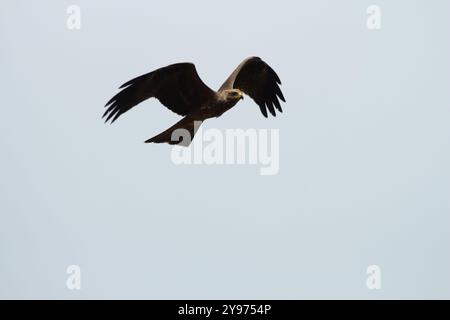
234, 95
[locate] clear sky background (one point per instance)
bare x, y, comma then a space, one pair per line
364, 153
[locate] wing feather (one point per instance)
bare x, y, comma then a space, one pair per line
178, 87
258, 80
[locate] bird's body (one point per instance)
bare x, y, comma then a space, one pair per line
181, 90
220, 104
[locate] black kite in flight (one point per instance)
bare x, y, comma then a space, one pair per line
181, 90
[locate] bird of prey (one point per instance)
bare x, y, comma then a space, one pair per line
180, 89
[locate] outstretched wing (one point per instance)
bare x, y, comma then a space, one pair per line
177, 86
257, 79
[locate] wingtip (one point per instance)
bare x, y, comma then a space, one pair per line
110, 101
106, 121
104, 115
281, 96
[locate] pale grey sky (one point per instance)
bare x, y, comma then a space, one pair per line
364, 153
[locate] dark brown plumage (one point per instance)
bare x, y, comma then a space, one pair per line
180, 89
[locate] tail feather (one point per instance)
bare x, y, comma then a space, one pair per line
181, 133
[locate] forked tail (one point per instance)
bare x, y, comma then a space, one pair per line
181, 133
